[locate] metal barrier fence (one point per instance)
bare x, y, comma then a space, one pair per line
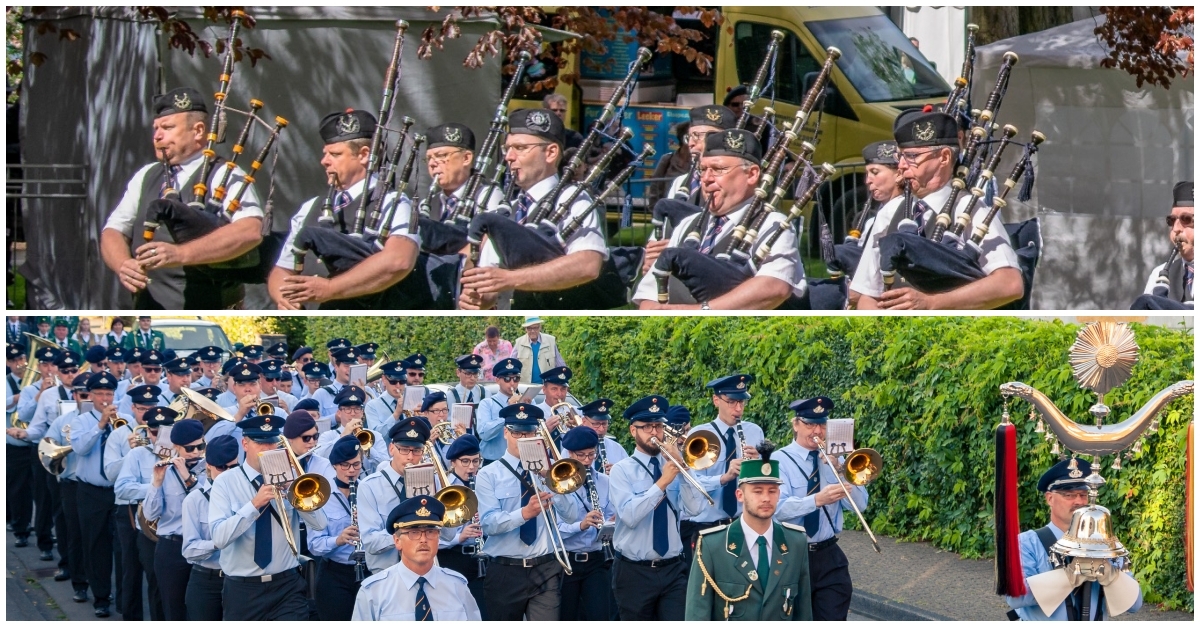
32, 180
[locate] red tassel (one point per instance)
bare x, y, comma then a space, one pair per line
1010, 578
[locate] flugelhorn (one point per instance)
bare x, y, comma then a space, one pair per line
568, 418
862, 467
442, 432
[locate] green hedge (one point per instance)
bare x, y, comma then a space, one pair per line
924, 392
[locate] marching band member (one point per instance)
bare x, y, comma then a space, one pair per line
302, 357
300, 430
489, 425
680, 420
524, 578
738, 439
884, 183
415, 588
812, 498
89, 433
164, 504
596, 416
587, 592
46, 498
414, 369
261, 575
468, 389
210, 364
253, 353
116, 356
203, 596
385, 489
335, 543
314, 374
343, 358
556, 385
649, 577
272, 374
435, 411
384, 410
21, 455
179, 376
69, 489
151, 362
458, 548
349, 417
1064, 490
769, 558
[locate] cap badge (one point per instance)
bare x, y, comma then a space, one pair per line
453, 135
356, 447
412, 433
353, 397
653, 409
538, 121
818, 409
245, 372
562, 375
418, 361
423, 511
741, 385
182, 102
735, 141
924, 131
886, 151
766, 468
522, 415
348, 124
267, 426
1075, 473
713, 114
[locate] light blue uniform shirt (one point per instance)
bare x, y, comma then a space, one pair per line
46, 411
323, 542
88, 440
634, 495
125, 406
376, 499
198, 547
474, 395
201, 383
378, 412
165, 503
391, 595
794, 503
376, 457
499, 494
710, 477
26, 405
232, 519
325, 398
115, 453
1034, 561
134, 480
489, 427
577, 540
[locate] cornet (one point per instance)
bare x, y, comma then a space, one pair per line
568, 417
443, 432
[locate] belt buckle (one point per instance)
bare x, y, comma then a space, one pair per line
526, 562
265, 579
655, 563
468, 549
581, 557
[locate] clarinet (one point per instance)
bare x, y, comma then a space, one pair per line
740, 436
359, 556
594, 497
602, 454
480, 558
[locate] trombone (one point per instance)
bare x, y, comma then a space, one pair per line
460, 501
310, 491
862, 467
307, 493
700, 450
564, 476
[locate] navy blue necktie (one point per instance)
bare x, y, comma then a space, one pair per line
529, 527
729, 490
422, 611
661, 543
262, 531
448, 206
103, 440
813, 521
710, 239
524, 202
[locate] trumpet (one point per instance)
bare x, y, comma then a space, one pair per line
118, 422
443, 432
366, 438
700, 450
568, 417
862, 467
460, 501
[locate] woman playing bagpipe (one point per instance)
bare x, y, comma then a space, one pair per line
883, 184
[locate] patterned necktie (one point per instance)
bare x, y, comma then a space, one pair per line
448, 206
1190, 275
341, 201
422, 610
728, 491
920, 208
175, 170
524, 202
529, 527
764, 562
262, 531
661, 544
812, 522
710, 239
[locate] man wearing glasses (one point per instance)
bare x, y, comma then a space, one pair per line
415, 588
349, 416
326, 395
381, 492
928, 145
467, 390
1181, 273
152, 368
383, 412
729, 173
533, 151
448, 159
489, 426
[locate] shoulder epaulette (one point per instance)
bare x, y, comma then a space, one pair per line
794, 527
454, 573
714, 529
376, 578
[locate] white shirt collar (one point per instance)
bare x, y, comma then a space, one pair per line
542, 187
752, 536
409, 578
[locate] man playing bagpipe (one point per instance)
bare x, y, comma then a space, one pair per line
928, 146
449, 158
533, 150
729, 171
1170, 284
361, 274
171, 270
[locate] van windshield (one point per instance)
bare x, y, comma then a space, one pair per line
879, 60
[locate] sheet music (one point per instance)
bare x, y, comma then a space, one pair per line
839, 436
323, 424
413, 396
531, 393
533, 455
66, 407
419, 480
358, 374
462, 415
276, 467
162, 445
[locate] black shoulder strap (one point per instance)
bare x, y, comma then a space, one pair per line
205, 493
329, 389
524, 484
1046, 536
399, 494
454, 391
62, 394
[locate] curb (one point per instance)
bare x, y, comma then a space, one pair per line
880, 608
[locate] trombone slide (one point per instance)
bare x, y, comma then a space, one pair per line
683, 472
846, 489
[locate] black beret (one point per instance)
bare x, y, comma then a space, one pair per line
712, 115
925, 129
882, 153
186, 431
580, 439
431, 399
539, 123
734, 143
466, 444
178, 100
740, 90
222, 451
1184, 194
298, 423
451, 134
344, 126
96, 354
345, 448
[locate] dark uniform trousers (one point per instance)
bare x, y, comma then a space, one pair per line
587, 591
467, 566
284, 597
43, 507
137, 559
829, 572
204, 594
646, 592
96, 511
60, 521
337, 590
20, 487
515, 591
689, 533
74, 541
172, 572
145, 555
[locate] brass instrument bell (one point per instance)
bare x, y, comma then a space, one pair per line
35, 343
149, 527
568, 417
565, 474
53, 456
118, 422
366, 438
142, 433
460, 501
191, 404
310, 491
701, 449
443, 432
862, 466
376, 369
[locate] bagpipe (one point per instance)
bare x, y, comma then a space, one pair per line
941, 256
1169, 281
207, 210
707, 276
846, 255
543, 235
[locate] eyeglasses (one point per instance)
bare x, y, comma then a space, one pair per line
226, 467
192, 448
443, 410
509, 379
151, 369
698, 136
732, 401
309, 438
68, 370
521, 149
409, 450
914, 158
469, 462
589, 456
349, 465
351, 409
417, 375
653, 427
1185, 220
716, 172
443, 157
420, 533
83, 396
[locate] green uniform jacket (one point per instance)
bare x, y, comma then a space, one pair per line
157, 340
727, 559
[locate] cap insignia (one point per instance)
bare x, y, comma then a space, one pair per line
741, 385
562, 375
412, 433
538, 121
353, 397
267, 427
886, 151
735, 141
713, 114
766, 468
423, 511
522, 415
818, 409
182, 102
245, 372
1075, 473
453, 135
924, 131
348, 124
653, 409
